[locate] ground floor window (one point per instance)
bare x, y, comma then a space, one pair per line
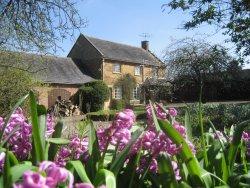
135, 93
118, 92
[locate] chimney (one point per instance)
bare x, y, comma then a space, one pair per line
145, 45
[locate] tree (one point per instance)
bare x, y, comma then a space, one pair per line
92, 96
39, 25
231, 15
14, 84
191, 63
199, 61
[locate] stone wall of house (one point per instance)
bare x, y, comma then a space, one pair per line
110, 78
126, 68
48, 94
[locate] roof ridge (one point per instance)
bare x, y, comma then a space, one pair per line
129, 45
35, 54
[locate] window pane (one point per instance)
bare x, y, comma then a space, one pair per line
118, 92
117, 67
138, 70
135, 93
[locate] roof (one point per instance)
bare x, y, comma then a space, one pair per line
122, 52
50, 69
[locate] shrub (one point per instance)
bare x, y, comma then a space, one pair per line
117, 104
14, 84
92, 96
128, 83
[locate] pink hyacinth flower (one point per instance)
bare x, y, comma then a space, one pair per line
32, 180
172, 112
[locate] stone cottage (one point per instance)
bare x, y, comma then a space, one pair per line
109, 61
89, 59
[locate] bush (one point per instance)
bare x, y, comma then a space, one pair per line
102, 115
117, 104
222, 115
14, 84
92, 96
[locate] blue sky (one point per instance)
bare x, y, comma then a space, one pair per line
124, 22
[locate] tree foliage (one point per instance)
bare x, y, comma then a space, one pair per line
128, 83
92, 96
197, 61
14, 84
37, 25
231, 15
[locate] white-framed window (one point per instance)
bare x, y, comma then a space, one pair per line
138, 70
154, 72
135, 93
116, 68
118, 92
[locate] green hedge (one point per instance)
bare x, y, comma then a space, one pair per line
222, 115
91, 96
117, 104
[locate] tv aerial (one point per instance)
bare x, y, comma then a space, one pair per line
145, 36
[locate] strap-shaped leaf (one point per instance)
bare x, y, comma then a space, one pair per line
19, 102
18, 170
56, 134
166, 172
185, 152
106, 177
59, 141
36, 136
7, 176
79, 169
94, 152
118, 163
233, 148
154, 117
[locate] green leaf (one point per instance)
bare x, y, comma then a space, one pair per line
93, 148
56, 134
18, 170
106, 177
130, 171
188, 125
60, 141
41, 110
200, 118
42, 129
154, 117
19, 102
79, 169
36, 136
184, 185
7, 176
185, 152
233, 148
166, 172
12, 158
118, 163
9, 136
221, 165
47, 146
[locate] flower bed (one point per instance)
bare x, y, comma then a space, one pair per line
158, 153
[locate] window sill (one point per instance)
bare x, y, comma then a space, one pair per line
137, 75
117, 73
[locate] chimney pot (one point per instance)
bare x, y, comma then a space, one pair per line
145, 45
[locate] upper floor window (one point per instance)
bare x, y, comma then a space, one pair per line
117, 68
138, 70
118, 92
